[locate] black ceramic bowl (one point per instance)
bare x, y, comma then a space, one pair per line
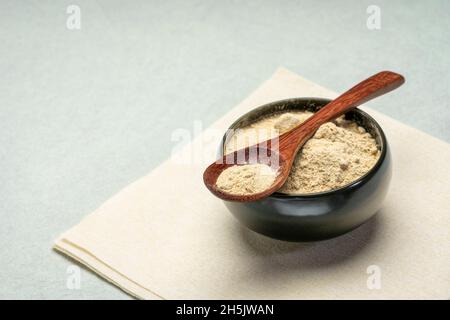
316, 216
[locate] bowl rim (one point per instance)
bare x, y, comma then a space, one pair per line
344, 189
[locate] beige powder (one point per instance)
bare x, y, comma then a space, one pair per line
340, 152
246, 179
265, 129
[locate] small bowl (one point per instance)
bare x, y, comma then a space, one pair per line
315, 216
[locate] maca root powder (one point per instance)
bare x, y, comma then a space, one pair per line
246, 179
339, 153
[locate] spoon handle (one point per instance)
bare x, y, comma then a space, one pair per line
372, 87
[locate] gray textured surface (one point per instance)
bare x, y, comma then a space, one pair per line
83, 111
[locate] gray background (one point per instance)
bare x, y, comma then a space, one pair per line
85, 112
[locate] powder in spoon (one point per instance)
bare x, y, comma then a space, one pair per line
246, 179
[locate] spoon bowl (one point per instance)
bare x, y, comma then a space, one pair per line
260, 153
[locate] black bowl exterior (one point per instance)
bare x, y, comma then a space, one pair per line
323, 215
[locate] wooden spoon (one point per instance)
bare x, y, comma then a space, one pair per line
282, 155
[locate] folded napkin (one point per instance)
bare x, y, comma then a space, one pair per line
166, 237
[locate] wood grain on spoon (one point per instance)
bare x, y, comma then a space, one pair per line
290, 142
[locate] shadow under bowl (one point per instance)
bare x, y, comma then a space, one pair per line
315, 216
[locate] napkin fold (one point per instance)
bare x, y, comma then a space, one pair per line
166, 237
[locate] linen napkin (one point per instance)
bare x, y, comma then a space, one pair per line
166, 237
